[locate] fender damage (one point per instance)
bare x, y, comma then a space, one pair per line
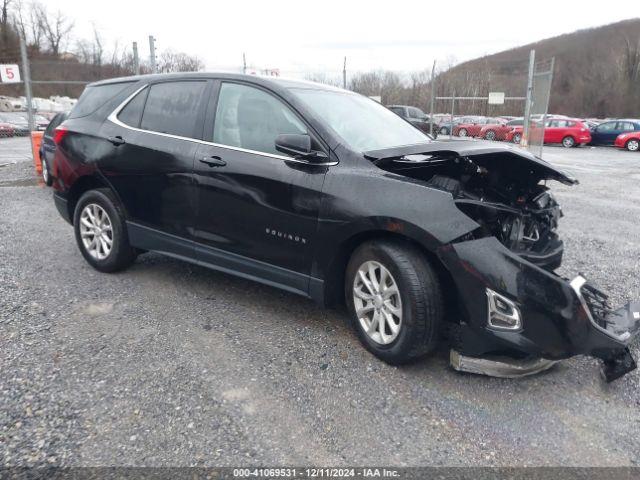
512, 303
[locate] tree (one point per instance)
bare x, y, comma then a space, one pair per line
55, 28
170, 61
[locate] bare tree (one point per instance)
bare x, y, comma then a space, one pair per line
170, 61
55, 28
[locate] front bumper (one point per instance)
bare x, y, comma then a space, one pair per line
560, 319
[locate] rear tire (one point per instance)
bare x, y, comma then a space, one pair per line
633, 145
490, 135
462, 132
444, 131
416, 310
46, 172
101, 232
568, 142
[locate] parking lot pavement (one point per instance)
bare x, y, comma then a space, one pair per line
171, 364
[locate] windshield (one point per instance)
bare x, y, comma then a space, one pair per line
362, 123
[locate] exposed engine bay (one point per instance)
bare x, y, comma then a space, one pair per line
519, 211
512, 305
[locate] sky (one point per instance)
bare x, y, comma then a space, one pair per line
301, 38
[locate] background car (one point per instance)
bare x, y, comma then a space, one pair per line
606, 133
630, 141
19, 124
6, 130
446, 125
48, 148
473, 128
569, 132
416, 117
498, 131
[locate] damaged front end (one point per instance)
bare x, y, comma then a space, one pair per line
512, 304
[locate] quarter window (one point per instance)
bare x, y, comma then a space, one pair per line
172, 108
132, 112
250, 118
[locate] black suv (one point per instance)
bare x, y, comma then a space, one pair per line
330, 195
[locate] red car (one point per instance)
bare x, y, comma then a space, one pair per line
498, 131
6, 130
569, 132
472, 129
629, 140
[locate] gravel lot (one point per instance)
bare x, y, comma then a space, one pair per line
169, 364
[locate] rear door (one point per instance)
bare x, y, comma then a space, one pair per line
257, 209
151, 168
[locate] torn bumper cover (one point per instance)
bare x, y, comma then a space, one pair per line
512, 307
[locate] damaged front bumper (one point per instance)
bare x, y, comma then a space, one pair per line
541, 315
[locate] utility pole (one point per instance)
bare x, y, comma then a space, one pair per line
26, 73
344, 74
152, 54
244, 63
453, 106
433, 97
136, 60
527, 105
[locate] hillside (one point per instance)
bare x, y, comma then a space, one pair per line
597, 71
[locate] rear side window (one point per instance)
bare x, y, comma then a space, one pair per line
172, 108
132, 112
625, 126
94, 97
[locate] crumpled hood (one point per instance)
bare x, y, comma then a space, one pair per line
488, 154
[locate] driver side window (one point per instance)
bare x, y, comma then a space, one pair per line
249, 118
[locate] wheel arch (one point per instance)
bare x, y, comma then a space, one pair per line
333, 294
80, 186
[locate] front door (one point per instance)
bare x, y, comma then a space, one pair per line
257, 209
605, 133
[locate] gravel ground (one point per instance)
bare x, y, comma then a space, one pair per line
169, 364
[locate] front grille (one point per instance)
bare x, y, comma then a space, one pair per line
598, 304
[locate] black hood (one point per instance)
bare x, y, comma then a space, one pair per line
484, 153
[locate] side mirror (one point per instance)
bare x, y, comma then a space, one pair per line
298, 145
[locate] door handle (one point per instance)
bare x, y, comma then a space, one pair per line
213, 161
118, 140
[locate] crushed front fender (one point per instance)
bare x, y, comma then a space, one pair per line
560, 318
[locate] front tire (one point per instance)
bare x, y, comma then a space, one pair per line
101, 232
516, 138
568, 142
444, 131
633, 145
462, 132
394, 300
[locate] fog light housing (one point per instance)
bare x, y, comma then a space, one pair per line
503, 313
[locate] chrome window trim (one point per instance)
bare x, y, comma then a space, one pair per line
113, 118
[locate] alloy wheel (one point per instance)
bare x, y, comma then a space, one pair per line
377, 302
633, 145
490, 135
96, 231
568, 142
462, 132
517, 138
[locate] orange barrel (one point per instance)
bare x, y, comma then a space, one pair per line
36, 140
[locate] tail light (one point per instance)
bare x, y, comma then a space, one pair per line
59, 133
